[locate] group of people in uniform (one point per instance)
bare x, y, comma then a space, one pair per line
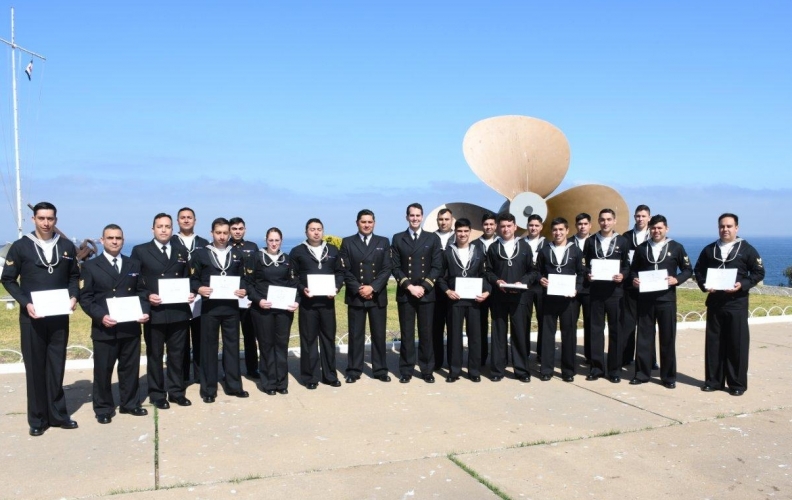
446, 283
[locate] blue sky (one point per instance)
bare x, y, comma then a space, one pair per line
281, 111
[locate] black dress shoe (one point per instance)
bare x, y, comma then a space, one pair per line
545, 378
615, 380
404, 379
637, 381
429, 379
208, 399
451, 379
135, 412
736, 392
270, 392
496, 378
384, 378
180, 400
475, 378
311, 386
240, 394
568, 378
37, 431
334, 383
524, 378
592, 377
707, 388
285, 391
104, 419
68, 424
350, 379
160, 404
669, 385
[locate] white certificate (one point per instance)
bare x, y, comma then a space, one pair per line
195, 307
124, 309
562, 285
223, 287
604, 269
281, 296
720, 279
514, 286
174, 290
51, 302
244, 303
468, 288
653, 281
321, 284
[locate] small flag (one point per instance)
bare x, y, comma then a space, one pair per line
29, 69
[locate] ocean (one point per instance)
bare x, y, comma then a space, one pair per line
776, 252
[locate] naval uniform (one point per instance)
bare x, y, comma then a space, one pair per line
584, 303
727, 334
317, 318
658, 308
416, 261
484, 307
366, 263
468, 311
169, 323
218, 316
43, 340
630, 300
606, 300
272, 326
440, 315
535, 299
509, 306
194, 337
249, 251
557, 309
99, 282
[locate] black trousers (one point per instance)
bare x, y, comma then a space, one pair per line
439, 327
600, 308
509, 317
535, 299
192, 358
663, 314
106, 352
273, 328
43, 343
470, 316
212, 326
726, 347
249, 341
629, 324
357, 340
158, 336
317, 344
409, 312
484, 317
563, 310
584, 306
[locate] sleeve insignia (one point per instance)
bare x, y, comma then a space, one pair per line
687, 260
9, 262
192, 271
759, 261
82, 284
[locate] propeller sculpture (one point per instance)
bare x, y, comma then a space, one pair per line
525, 159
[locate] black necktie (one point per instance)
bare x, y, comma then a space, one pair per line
366, 240
115, 265
415, 236
165, 251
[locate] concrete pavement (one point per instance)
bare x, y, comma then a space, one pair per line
463, 440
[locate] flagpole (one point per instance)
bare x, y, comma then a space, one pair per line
16, 119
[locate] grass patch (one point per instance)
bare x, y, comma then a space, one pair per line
475, 475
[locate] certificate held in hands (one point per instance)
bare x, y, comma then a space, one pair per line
561, 285
124, 309
321, 284
281, 296
468, 288
223, 287
720, 279
174, 290
653, 281
51, 302
604, 269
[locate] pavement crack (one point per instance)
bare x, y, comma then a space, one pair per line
475, 475
156, 449
632, 405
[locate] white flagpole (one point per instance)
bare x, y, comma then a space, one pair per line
16, 119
